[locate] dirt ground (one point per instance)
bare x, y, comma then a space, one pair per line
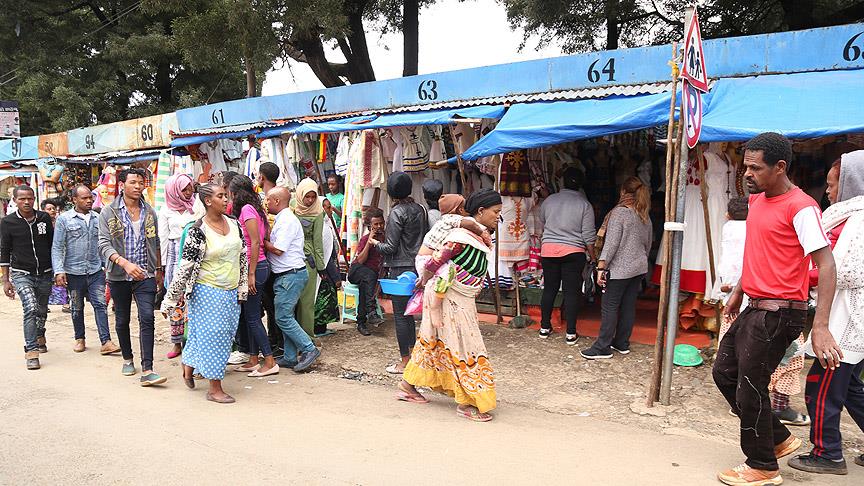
560, 420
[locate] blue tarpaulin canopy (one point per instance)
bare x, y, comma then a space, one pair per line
198, 139
533, 125
341, 125
804, 105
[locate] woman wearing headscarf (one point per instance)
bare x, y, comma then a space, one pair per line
829, 389
212, 279
308, 209
406, 226
177, 212
450, 356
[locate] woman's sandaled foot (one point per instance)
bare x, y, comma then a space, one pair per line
222, 398
395, 369
264, 372
187, 378
472, 414
409, 394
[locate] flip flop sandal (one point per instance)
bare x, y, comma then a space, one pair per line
474, 415
258, 373
226, 399
404, 396
246, 369
392, 370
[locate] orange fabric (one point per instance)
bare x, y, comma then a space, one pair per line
555, 250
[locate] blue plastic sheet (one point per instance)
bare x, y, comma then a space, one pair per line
533, 125
415, 118
805, 105
198, 139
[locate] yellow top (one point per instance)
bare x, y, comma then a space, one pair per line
220, 267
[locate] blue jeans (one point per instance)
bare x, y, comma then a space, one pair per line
93, 286
144, 293
287, 289
258, 340
33, 290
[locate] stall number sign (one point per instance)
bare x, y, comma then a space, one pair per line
693, 113
694, 57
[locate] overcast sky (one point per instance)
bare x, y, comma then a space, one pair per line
453, 35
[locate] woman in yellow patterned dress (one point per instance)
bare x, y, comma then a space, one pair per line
449, 355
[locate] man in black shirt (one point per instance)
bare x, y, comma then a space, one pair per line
25, 262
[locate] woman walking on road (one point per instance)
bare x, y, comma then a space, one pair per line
449, 355
622, 265
212, 278
249, 211
173, 217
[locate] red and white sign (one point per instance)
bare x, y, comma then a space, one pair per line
693, 113
694, 57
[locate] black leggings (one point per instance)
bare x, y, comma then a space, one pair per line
406, 332
566, 269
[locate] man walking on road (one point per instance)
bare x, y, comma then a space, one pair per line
288, 262
129, 243
25, 260
783, 227
78, 267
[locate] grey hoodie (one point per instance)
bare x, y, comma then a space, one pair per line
851, 175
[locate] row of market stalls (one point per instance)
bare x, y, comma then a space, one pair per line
513, 127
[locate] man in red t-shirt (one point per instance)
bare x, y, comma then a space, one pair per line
784, 232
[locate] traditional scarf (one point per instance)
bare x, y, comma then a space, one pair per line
305, 187
851, 175
174, 193
399, 185
449, 203
484, 198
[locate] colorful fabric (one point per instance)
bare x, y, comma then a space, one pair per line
58, 296
326, 305
513, 230
452, 359
213, 318
515, 175
163, 172
249, 212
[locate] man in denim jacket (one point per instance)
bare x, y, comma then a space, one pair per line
78, 266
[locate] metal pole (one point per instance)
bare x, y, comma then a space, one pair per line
677, 243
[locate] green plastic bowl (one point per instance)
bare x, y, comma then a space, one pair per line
686, 355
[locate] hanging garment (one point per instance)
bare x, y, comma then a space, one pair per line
396, 135
273, 150
213, 152
514, 234
163, 172
232, 149
515, 175
372, 160
291, 159
341, 160
504, 274
415, 153
720, 180
253, 162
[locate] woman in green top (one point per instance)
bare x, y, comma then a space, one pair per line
308, 210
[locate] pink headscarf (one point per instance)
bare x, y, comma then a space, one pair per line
174, 193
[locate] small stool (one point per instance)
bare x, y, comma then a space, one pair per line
350, 298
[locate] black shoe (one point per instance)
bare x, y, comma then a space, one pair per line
571, 339
373, 319
815, 464
362, 329
306, 360
621, 350
790, 416
545, 332
860, 460
592, 353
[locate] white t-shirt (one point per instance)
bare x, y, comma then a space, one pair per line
287, 237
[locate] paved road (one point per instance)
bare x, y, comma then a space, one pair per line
79, 421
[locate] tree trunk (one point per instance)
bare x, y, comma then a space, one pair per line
612, 24
164, 84
357, 41
410, 36
251, 82
797, 15
313, 51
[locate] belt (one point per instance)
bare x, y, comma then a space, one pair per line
773, 305
286, 272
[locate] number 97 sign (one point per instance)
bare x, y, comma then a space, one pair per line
693, 113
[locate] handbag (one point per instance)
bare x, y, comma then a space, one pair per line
415, 303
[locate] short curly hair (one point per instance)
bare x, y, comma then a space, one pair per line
738, 207
774, 147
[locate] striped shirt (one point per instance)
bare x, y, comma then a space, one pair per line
134, 241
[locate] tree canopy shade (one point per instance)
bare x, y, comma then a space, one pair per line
584, 25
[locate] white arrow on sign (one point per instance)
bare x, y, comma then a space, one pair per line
694, 57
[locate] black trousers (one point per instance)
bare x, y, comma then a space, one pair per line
365, 279
406, 327
748, 355
566, 270
269, 306
618, 312
826, 393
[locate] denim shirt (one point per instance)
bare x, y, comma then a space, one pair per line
75, 250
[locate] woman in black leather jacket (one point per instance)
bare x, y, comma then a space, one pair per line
406, 226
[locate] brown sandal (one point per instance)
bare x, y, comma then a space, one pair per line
228, 399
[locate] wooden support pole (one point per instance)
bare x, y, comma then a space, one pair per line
672, 139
